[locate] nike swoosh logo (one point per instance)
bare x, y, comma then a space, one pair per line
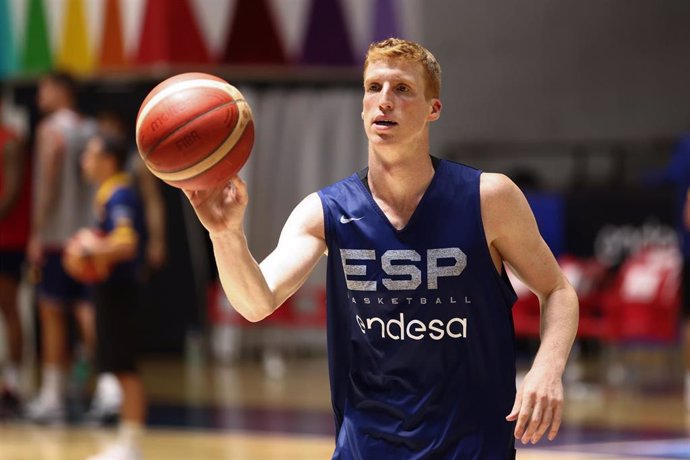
346, 220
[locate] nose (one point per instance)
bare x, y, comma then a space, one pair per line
385, 98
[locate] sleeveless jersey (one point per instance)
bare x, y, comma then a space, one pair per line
420, 331
73, 203
14, 227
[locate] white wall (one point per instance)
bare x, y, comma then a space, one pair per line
564, 69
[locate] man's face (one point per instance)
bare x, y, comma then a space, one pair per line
93, 159
395, 107
48, 93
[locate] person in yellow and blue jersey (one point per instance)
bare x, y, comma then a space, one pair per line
120, 224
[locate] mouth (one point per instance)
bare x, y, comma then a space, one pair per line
384, 122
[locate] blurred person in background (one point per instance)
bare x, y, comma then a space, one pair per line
420, 333
15, 192
677, 173
120, 221
686, 281
148, 187
61, 205
105, 405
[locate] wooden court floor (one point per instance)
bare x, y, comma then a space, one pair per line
67, 443
206, 411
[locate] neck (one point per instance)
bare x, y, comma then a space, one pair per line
399, 181
107, 175
64, 105
59, 108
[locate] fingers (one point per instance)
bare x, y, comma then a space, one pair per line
535, 417
523, 418
532, 421
239, 182
240, 188
198, 196
547, 417
556, 424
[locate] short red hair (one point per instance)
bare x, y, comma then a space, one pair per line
397, 48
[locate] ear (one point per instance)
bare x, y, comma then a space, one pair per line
435, 109
362, 114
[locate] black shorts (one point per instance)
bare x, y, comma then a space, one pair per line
56, 284
11, 262
116, 332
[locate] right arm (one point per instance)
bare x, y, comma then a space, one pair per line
49, 155
256, 290
14, 162
154, 214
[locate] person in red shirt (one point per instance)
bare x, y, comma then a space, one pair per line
14, 230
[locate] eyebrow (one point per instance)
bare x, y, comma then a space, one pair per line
397, 79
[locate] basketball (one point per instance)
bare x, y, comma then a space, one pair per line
79, 264
194, 131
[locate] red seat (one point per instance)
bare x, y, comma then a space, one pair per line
644, 301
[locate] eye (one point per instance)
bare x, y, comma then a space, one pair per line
402, 88
373, 87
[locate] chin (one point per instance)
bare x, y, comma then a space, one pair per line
379, 138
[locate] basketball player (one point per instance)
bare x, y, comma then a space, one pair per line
120, 218
148, 188
107, 398
677, 173
420, 334
14, 231
61, 206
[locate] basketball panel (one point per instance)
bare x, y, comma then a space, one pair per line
195, 141
222, 171
174, 112
183, 77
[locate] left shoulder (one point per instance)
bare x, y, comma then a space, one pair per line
498, 189
504, 207
124, 195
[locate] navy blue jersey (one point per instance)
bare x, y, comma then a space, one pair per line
420, 332
120, 215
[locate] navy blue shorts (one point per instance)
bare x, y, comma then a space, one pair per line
56, 284
11, 263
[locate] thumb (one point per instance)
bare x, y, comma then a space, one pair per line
516, 407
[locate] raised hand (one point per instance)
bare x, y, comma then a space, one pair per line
222, 208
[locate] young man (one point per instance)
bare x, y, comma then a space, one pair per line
120, 220
420, 334
14, 231
61, 205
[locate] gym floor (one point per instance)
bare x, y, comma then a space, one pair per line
211, 411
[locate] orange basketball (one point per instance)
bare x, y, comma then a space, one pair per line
195, 131
81, 266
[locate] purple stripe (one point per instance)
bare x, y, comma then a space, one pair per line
327, 40
385, 20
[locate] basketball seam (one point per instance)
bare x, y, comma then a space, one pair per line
215, 157
146, 108
145, 155
201, 172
